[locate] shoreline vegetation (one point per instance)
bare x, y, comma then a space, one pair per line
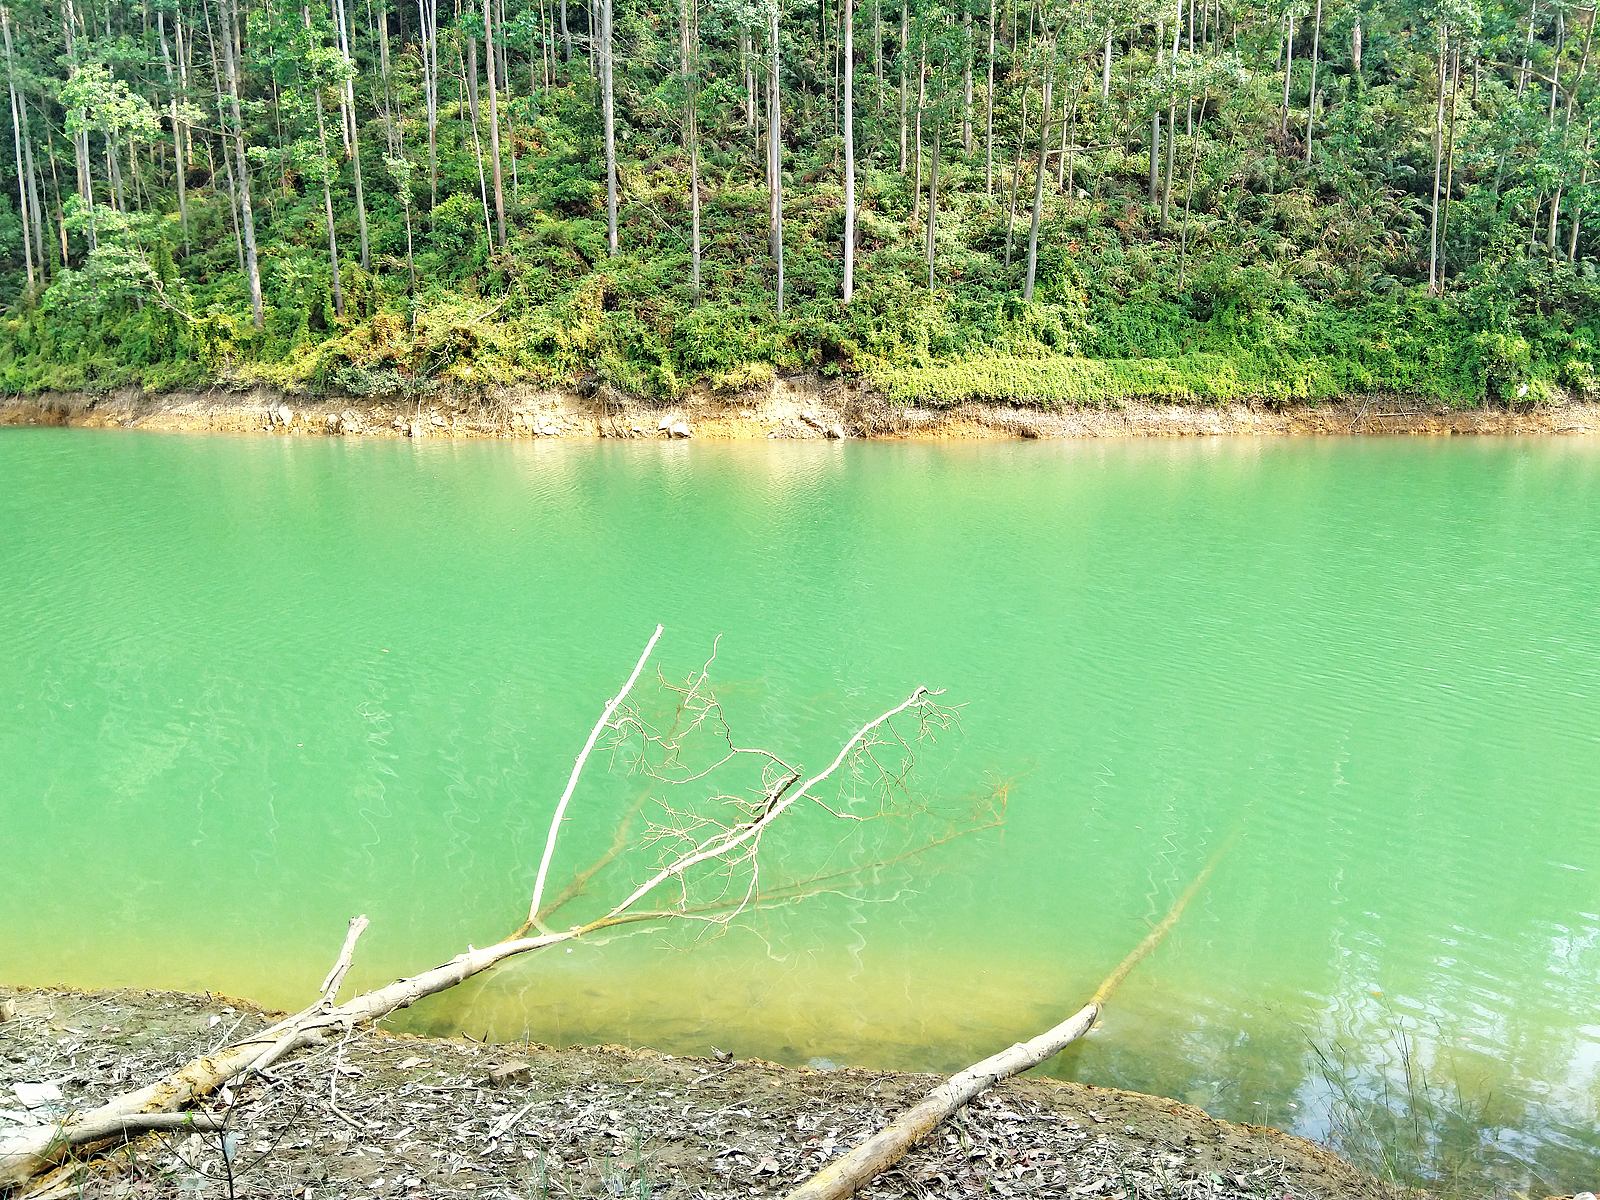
801, 407
395, 1113
964, 202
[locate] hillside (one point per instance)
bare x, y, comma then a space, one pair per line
360, 199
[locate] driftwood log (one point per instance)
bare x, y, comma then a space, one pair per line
845, 1176
29, 1152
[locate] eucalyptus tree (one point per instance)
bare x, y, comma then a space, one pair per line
494, 119
323, 68
347, 107
849, 105
16, 129
774, 144
608, 120
688, 50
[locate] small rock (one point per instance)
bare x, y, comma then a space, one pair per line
437, 419
515, 1071
407, 1064
8, 1011
332, 422
286, 414
722, 1056
665, 424
836, 432
680, 429
822, 1064
35, 1095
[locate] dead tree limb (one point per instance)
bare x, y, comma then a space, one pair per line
845, 1176
732, 845
577, 770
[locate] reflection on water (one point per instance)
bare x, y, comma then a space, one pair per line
255, 686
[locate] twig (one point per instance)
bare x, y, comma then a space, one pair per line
577, 769
845, 1176
506, 1124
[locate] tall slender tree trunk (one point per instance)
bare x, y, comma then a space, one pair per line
430, 87
933, 178
1311, 101
1288, 70
477, 145
922, 93
566, 39
1577, 208
775, 152
347, 106
247, 220
608, 118
327, 194
177, 131
988, 114
905, 45
1438, 165
16, 131
848, 24
1527, 59
877, 60
1016, 175
1449, 166
689, 55
34, 188
80, 142
227, 158
494, 123
966, 77
1105, 70
1188, 197
1038, 189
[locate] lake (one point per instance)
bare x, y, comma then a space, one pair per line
254, 686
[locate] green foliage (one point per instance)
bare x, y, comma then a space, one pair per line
1276, 276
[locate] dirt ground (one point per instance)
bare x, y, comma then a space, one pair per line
804, 407
377, 1114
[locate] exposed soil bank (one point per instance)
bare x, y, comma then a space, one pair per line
380, 1114
804, 407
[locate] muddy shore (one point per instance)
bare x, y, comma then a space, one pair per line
381, 1114
803, 407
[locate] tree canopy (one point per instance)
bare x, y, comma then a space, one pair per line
1054, 200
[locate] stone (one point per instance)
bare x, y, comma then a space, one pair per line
286, 414
437, 419
665, 424
836, 432
8, 1011
34, 1095
680, 429
515, 1071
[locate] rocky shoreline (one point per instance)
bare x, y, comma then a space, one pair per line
797, 408
377, 1114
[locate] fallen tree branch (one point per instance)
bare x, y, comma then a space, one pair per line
28, 1152
845, 1176
577, 770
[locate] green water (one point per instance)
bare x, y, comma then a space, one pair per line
252, 687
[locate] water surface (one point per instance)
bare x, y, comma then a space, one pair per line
254, 686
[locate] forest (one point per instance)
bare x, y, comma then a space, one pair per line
1034, 201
